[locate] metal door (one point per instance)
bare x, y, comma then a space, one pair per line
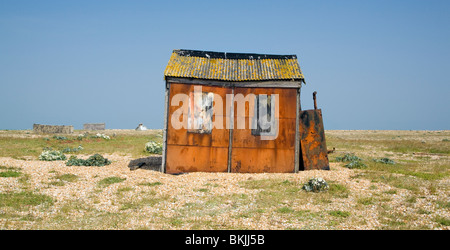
313, 148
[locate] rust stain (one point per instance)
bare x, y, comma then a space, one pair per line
262, 160
312, 141
181, 158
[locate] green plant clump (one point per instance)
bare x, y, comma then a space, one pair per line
316, 185
110, 180
154, 147
348, 158
98, 135
69, 150
354, 161
52, 155
62, 138
94, 160
355, 164
10, 173
385, 161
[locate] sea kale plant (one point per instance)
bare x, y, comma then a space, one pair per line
353, 161
58, 137
94, 160
52, 155
72, 150
355, 164
154, 147
385, 161
348, 158
98, 135
316, 184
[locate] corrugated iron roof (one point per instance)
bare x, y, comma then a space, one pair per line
232, 66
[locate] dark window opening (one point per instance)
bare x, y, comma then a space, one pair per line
262, 115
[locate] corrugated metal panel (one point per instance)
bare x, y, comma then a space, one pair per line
253, 68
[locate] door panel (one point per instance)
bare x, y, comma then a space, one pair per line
189, 150
312, 141
250, 153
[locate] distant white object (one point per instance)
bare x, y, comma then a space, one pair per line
141, 127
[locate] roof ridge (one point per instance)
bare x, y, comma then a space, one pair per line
232, 66
228, 55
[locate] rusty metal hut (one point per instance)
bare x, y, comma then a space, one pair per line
202, 136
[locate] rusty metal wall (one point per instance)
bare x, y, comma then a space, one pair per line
312, 141
250, 154
195, 152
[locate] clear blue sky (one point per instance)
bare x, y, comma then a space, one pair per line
375, 64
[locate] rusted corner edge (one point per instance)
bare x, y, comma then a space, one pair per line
297, 134
166, 124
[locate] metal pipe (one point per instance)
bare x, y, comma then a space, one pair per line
314, 97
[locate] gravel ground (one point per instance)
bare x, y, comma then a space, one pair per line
184, 201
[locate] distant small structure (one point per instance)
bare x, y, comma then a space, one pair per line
52, 129
141, 127
94, 126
